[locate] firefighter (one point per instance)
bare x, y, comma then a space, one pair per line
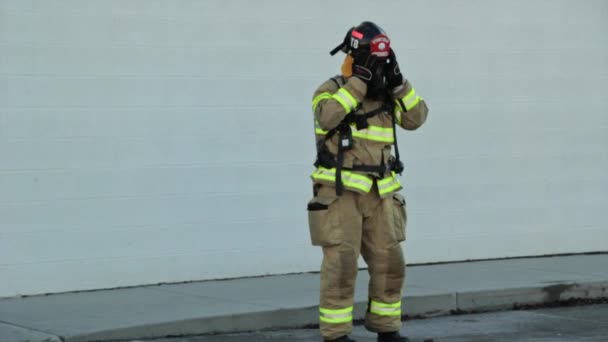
356, 208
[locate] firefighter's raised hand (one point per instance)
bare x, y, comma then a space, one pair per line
392, 73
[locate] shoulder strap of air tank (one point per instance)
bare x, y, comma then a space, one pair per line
339, 80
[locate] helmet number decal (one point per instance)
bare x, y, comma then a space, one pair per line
354, 39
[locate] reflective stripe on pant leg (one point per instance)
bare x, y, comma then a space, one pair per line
336, 316
385, 309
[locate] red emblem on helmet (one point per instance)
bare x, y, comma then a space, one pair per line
381, 46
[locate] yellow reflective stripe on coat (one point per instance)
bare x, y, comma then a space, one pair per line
409, 101
374, 133
385, 309
349, 179
388, 184
319, 98
347, 101
336, 316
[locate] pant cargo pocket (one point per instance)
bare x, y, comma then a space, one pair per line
323, 221
399, 216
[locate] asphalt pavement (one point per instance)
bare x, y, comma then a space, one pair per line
564, 324
290, 301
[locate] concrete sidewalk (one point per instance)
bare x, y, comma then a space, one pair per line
290, 301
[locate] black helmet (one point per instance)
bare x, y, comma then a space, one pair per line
367, 38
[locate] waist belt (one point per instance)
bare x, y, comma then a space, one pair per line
381, 169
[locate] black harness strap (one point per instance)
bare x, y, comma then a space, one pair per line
397, 164
338, 181
339, 80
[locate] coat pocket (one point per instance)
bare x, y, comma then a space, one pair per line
399, 217
323, 221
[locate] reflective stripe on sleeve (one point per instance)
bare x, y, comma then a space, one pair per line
347, 101
388, 184
319, 98
336, 316
385, 309
409, 101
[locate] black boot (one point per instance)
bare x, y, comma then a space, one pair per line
392, 337
344, 338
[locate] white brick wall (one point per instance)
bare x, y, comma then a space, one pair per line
164, 141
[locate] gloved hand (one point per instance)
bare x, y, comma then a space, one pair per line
392, 73
364, 66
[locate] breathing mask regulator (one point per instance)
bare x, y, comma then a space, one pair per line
369, 46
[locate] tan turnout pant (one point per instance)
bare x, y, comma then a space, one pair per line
345, 227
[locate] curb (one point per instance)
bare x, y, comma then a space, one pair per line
10, 332
418, 307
